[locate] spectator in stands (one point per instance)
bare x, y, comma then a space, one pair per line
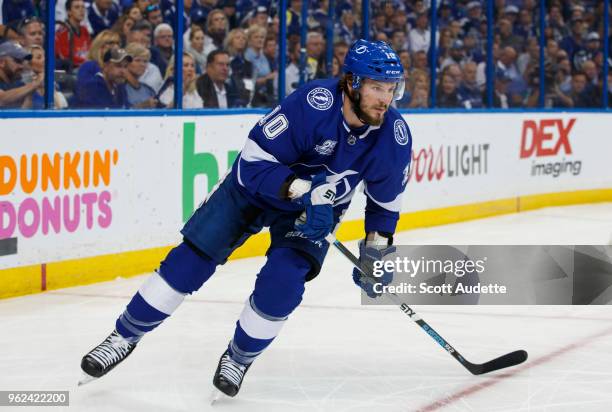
293, 19
9, 33
216, 31
262, 73
216, 88
236, 45
500, 97
556, 23
456, 55
191, 98
420, 36
472, 49
163, 40
398, 21
200, 10
229, 9
336, 70
530, 57
195, 47
153, 14
470, 93
474, 19
135, 13
37, 99
420, 60
579, 96
105, 41
315, 54
511, 13
72, 40
564, 75
406, 60
340, 50
419, 90
141, 33
399, 41
270, 49
123, 27
15, 10
574, 43
589, 68
107, 88
260, 17
446, 41
139, 95
292, 73
169, 13
32, 32
380, 25
13, 91
102, 15
525, 27
592, 46
507, 37
142, 5
347, 28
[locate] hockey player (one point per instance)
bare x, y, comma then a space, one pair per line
296, 174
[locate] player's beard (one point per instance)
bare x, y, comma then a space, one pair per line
373, 118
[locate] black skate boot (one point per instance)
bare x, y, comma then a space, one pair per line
229, 374
104, 357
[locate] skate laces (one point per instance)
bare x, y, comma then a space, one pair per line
113, 349
232, 370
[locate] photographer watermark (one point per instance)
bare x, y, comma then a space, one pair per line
494, 274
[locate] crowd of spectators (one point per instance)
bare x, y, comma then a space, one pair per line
120, 53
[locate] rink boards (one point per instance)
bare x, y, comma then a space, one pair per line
86, 199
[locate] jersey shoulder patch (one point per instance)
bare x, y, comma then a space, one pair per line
320, 98
400, 132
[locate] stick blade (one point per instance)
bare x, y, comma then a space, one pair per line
505, 361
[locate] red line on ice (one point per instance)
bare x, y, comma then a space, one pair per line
447, 400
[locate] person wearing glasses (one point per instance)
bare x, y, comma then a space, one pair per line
153, 14
163, 45
102, 15
72, 40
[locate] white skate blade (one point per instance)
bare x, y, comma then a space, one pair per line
85, 379
215, 395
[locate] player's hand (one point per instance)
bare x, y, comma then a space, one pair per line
367, 256
318, 204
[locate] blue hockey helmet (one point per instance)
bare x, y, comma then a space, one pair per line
376, 61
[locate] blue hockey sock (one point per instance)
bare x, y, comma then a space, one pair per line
182, 272
278, 291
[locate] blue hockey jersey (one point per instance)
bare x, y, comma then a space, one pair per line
307, 134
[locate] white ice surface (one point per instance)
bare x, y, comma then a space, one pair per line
333, 354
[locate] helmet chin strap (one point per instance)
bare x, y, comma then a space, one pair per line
355, 104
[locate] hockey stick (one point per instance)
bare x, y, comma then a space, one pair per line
504, 361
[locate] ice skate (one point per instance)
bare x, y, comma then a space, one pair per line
104, 357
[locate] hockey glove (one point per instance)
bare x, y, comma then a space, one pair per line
319, 214
367, 256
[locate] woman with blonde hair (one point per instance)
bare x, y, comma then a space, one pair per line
139, 95
191, 98
105, 40
235, 45
263, 75
195, 46
122, 27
